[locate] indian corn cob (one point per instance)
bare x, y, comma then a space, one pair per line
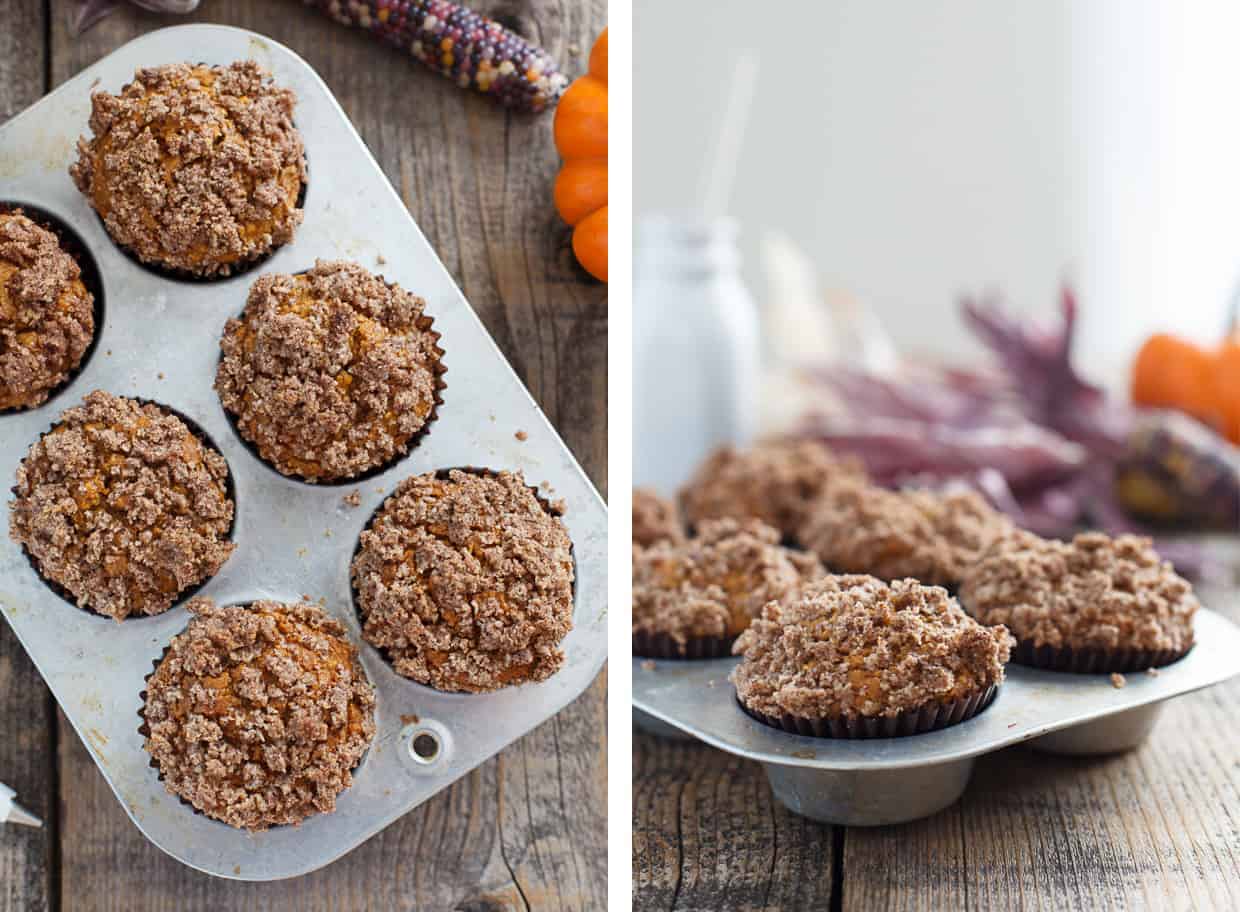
461, 44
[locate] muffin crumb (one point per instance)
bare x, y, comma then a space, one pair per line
353, 499
1118, 681
522, 436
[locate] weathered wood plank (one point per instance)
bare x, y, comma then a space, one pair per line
526, 830
27, 727
707, 835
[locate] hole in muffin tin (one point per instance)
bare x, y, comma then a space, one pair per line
442, 474
424, 747
414, 442
230, 491
144, 729
71, 242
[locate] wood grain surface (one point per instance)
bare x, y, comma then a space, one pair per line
1157, 828
526, 830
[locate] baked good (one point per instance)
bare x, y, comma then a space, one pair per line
195, 169
774, 481
257, 714
121, 507
330, 373
1094, 604
47, 315
691, 599
854, 657
655, 519
928, 536
464, 580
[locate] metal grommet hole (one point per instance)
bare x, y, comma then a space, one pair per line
424, 747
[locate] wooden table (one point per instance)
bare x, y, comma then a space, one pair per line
525, 830
1157, 828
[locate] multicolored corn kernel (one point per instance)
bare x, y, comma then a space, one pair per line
468, 48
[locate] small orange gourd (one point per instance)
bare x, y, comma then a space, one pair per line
581, 186
1203, 382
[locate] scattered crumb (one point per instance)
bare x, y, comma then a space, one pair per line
574, 50
1152, 672
352, 500
559, 506
648, 665
711, 683
327, 533
1117, 680
109, 353
160, 375
521, 435
411, 718
301, 552
1011, 725
380, 259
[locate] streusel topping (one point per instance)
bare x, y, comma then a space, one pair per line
47, 316
714, 584
1094, 592
924, 535
855, 646
466, 582
774, 481
258, 713
331, 372
655, 519
195, 168
123, 506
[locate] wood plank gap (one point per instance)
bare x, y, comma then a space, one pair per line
837, 868
52, 823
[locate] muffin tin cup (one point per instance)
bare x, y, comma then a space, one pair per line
917, 721
871, 781
665, 646
160, 341
1093, 660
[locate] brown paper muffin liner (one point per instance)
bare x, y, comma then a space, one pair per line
73, 245
442, 475
425, 324
663, 646
927, 718
1093, 660
230, 491
145, 731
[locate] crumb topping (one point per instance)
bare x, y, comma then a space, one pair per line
655, 519
258, 714
329, 373
47, 317
774, 481
855, 646
1094, 592
714, 584
123, 506
195, 168
924, 535
466, 582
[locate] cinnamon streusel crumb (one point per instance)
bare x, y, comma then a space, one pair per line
123, 506
854, 646
258, 714
195, 168
1094, 592
924, 535
330, 373
655, 519
774, 481
47, 316
466, 582
714, 584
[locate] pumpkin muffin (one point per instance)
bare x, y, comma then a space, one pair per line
330, 373
854, 657
928, 536
465, 580
1094, 604
774, 482
257, 714
47, 315
655, 519
122, 508
195, 169
691, 599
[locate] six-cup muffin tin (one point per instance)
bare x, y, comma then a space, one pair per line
159, 340
894, 780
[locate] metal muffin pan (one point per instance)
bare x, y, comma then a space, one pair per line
160, 341
894, 780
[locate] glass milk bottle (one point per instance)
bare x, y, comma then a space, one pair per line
696, 344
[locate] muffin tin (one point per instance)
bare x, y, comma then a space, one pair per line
160, 341
895, 780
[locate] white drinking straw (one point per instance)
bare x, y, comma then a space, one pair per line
721, 175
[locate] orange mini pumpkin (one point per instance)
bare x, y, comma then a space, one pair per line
581, 138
